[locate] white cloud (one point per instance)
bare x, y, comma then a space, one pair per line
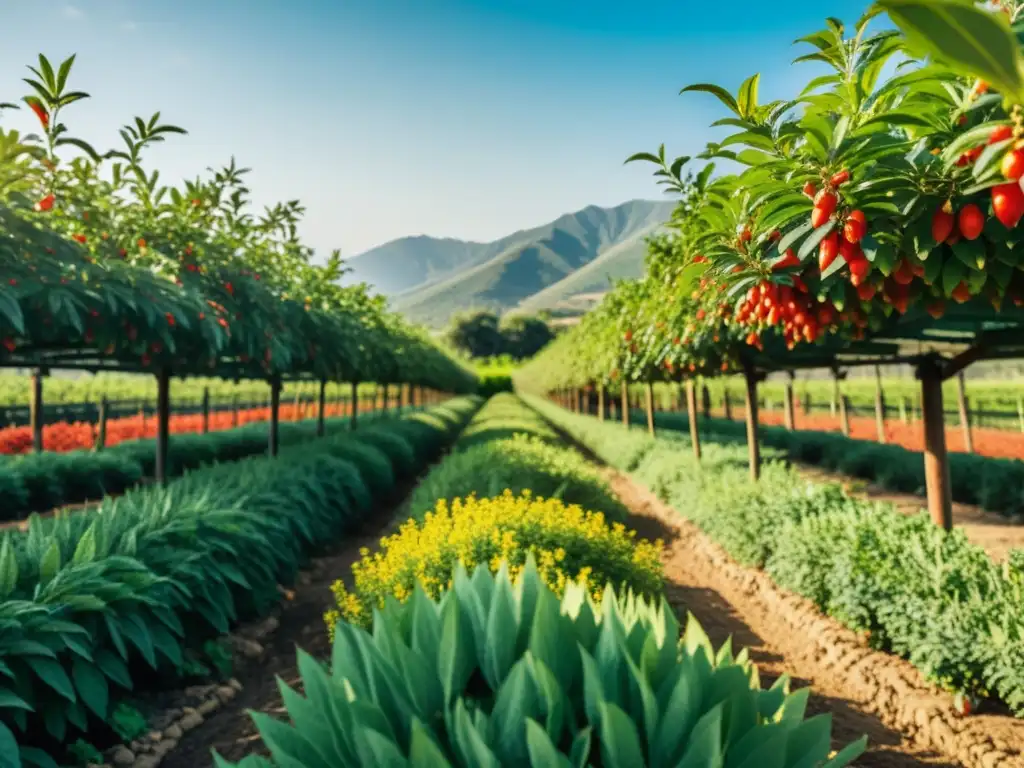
73, 12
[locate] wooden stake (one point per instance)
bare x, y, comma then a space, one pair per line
650, 408
753, 447
36, 417
625, 405
163, 421
879, 406
321, 409
355, 404
206, 410
726, 404
275, 417
691, 415
844, 415
787, 405
965, 416
600, 402
101, 429
936, 459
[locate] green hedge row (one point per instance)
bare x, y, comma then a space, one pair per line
40, 482
994, 484
95, 604
929, 596
507, 446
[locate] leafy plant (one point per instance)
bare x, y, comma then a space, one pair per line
496, 674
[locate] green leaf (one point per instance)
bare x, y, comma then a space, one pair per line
716, 90
9, 755
423, 752
975, 40
747, 96
815, 239
457, 657
50, 563
620, 742
85, 551
92, 687
53, 674
8, 567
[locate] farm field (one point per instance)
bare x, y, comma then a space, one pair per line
456, 513
218, 549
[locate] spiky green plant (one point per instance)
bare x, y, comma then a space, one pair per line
495, 674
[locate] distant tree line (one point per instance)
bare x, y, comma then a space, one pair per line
481, 333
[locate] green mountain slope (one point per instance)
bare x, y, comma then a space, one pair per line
504, 274
623, 260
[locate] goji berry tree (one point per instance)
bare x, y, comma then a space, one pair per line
870, 217
105, 267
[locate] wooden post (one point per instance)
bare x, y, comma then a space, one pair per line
321, 408
234, 411
844, 415
691, 415
787, 405
726, 403
275, 417
834, 403
753, 447
879, 406
650, 408
163, 422
965, 416
206, 410
705, 397
101, 429
600, 402
936, 459
625, 405
355, 404
36, 409
807, 403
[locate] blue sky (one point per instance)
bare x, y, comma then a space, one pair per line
402, 117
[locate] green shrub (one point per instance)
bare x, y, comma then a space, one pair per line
930, 596
995, 484
500, 675
95, 603
509, 447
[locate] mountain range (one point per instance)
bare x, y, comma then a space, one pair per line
552, 267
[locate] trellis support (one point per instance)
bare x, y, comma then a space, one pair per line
650, 408
275, 416
936, 458
752, 377
163, 421
691, 415
321, 408
787, 405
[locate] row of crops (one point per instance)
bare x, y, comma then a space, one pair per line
105, 268
873, 219
132, 596
449, 642
517, 621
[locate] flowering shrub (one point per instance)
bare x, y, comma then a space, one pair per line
568, 542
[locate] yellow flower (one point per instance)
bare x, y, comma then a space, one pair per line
568, 543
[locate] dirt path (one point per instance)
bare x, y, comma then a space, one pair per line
909, 724
994, 533
231, 731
